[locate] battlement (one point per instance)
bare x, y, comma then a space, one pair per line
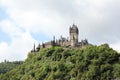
72, 42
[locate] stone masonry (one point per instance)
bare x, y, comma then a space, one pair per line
71, 42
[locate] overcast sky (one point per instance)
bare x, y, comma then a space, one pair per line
25, 22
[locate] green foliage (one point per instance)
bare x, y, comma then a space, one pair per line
7, 66
57, 63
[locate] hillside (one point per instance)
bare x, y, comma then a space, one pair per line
57, 63
7, 66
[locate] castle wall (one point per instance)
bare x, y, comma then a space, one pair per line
47, 44
65, 43
73, 42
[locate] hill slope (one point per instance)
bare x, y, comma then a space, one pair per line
56, 63
7, 66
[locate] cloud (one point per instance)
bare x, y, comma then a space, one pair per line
10, 28
21, 42
115, 46
49, 16
35, 19
17, 50
97, 20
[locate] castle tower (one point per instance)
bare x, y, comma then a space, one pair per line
74, 32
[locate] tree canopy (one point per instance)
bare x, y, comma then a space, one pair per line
58, 63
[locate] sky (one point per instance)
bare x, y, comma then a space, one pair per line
25, 22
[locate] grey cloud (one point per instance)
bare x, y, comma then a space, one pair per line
97, 20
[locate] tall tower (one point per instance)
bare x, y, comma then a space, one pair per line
74, 32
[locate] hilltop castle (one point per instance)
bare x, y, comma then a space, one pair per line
72, 41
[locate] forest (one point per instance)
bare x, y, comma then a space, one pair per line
60, 63
7, 66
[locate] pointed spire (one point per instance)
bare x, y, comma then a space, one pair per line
34, 47
39, 45
70, 27
53, 38
43, 45
38, 48
61, 37
73, 24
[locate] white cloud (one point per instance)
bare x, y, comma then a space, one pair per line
18, 49
21, 42
38, 16
10, 28
115, 46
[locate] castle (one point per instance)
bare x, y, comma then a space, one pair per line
72, 41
